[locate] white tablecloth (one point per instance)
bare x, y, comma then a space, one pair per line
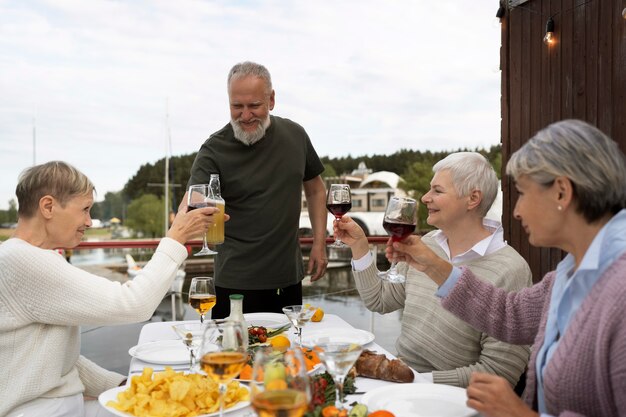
156, 331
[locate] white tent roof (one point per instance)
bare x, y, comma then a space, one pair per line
386, 177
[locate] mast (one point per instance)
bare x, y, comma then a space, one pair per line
168, 145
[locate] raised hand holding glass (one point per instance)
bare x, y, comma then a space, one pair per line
400, 221
338, 202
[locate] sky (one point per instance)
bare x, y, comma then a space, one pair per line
109, 86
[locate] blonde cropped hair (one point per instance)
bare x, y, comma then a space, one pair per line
582, 153
471, 171
56, 178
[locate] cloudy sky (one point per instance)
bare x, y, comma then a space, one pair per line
97, 78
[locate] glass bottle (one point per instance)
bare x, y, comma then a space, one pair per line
236, 312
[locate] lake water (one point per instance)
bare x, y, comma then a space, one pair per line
335, 294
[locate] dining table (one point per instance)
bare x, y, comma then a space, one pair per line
331, 323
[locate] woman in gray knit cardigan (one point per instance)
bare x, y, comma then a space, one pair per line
571, 180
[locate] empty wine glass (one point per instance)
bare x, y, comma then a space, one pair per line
338, 202
338, 359
198, 196
223, 353
280, 384
191, 336
202, 296
299, 315
400, 221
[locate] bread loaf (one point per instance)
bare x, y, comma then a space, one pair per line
378, 366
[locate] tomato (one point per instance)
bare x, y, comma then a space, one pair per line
381, 413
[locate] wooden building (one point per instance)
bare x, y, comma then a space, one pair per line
581, 75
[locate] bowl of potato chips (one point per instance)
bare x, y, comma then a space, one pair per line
168, 393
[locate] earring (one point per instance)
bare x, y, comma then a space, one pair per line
559, 207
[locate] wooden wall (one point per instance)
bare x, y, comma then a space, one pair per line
582, 75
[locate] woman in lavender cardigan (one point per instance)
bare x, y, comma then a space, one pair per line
571, 180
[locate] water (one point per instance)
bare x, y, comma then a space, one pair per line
335, 294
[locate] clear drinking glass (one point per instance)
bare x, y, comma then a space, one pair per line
223, 353
338, 359
191, 336
280, 384
338, 202
198, 196
400, 221
299, 315
202, 295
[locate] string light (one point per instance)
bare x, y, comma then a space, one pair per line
499, 14
549, 39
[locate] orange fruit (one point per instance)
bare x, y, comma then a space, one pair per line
381, 413
280, 342
318, 315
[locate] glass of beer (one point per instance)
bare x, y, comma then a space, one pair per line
223, 353
202, 295
280, 384
215, 233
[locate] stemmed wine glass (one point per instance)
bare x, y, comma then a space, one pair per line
338, 359
191, 336
280, 384
400, 221
197, 197
223, 353
338, 202
298, 315
202, 296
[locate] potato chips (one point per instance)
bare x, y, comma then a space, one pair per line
175, 394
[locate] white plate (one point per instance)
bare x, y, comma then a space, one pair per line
419, 400
272, 320
336, 335
162, 352
111, 395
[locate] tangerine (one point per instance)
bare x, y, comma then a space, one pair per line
318, 315
280, 342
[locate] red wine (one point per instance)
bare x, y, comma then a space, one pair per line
398, 231
340, 209
196, 205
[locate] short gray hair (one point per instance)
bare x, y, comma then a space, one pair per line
56, 178
250, 69
471, 171
581, 152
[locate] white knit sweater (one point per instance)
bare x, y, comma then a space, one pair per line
43, 300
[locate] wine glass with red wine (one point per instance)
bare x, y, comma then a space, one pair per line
400, 221
198, 196
338, 202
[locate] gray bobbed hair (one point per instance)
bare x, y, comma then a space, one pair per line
587, 157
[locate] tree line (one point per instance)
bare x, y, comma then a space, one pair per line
140, 204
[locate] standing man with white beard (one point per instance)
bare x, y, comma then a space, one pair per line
263, 162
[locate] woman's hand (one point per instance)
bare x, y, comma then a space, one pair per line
493, 396
414, 252
190, 224
352, 235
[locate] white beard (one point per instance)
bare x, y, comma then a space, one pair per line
250, 138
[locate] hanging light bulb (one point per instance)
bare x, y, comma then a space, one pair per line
499, 15
549, 39
624, 13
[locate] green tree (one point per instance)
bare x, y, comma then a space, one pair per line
12, 212
416, 182
145, 214
112, 206
329, 171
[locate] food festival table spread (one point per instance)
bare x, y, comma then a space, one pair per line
163, 334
